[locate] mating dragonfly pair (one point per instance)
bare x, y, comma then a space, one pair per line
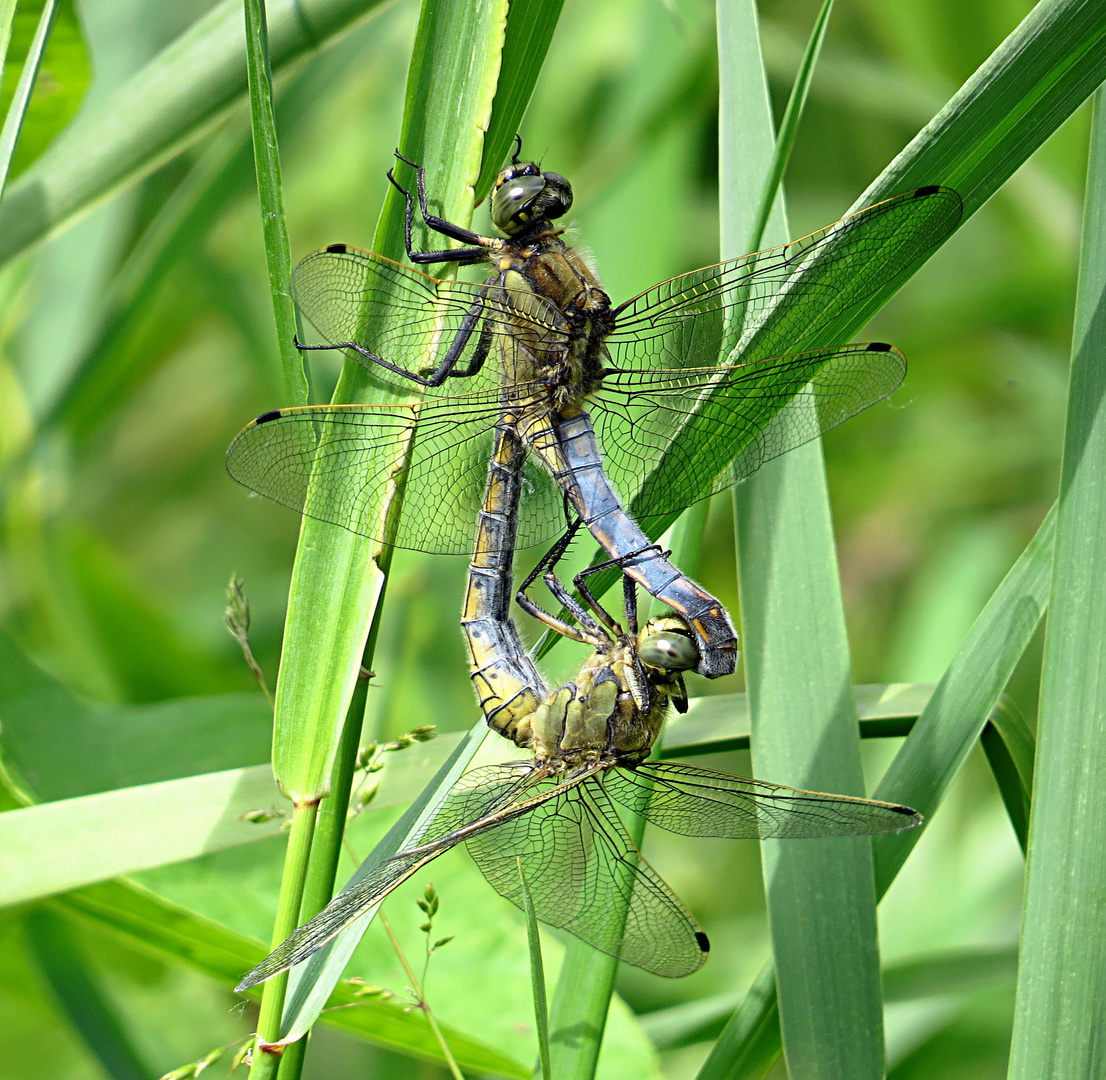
665, 399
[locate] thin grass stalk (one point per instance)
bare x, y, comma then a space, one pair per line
7, 16
326, 849
789, 125
266, 1057
1059, 1011
17, 111
537, 977
278, 252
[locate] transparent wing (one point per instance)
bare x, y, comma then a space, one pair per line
412, 319
585, 876
479, 795
701, 802
671, 437
339, 464
778, 300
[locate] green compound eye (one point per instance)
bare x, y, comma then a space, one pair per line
668, 649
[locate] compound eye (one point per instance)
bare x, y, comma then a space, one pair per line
513, 196
668, 649
557, 197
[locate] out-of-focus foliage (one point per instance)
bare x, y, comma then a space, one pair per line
127, 364
62, 79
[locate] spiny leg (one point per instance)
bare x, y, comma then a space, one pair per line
591, 633
472, 254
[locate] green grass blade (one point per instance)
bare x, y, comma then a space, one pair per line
537, 976
17, 111
95, 837
338, 579
80, 998
1010, 745
180, 95
930, 975
821, 895
1048, 66
1058, 1018
530, 26
278, 252
750, 1042
720, 723
925, 765
965, 697
167, 930
313, 980
789, 125
7, 16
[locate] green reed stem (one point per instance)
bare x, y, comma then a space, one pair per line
278, 252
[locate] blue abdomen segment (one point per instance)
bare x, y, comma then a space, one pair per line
569, 448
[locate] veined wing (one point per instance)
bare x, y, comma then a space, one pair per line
781, 299
339, 463
671, 437
472, 805
411, 319
701, 802
585, 876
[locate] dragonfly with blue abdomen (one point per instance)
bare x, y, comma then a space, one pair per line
553, 819
659, 401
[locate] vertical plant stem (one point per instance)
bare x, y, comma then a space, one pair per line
537, 976
278, 255
330, 829
420, 997
789, 126
7, 15
821, 896
17, 111
1060, 1012
266, 1061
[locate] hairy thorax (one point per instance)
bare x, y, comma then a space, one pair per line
564, 316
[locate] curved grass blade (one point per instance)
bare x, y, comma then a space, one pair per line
17, 111
188, 88
1062, 961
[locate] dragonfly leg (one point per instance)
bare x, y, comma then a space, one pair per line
629, 587
438, 224
590, 634
432, 377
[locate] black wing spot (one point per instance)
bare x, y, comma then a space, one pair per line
336, 249
264, 418
906, 810
929, 189
879, 346
702, 941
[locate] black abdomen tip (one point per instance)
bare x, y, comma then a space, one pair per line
929, 189
702, 941
879, 346
336, 249
264, 418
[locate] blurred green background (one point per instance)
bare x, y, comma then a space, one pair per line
120, 388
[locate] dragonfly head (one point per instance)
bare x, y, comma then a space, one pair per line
524, 196
666, 643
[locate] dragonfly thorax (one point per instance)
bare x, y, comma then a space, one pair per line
613, 710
